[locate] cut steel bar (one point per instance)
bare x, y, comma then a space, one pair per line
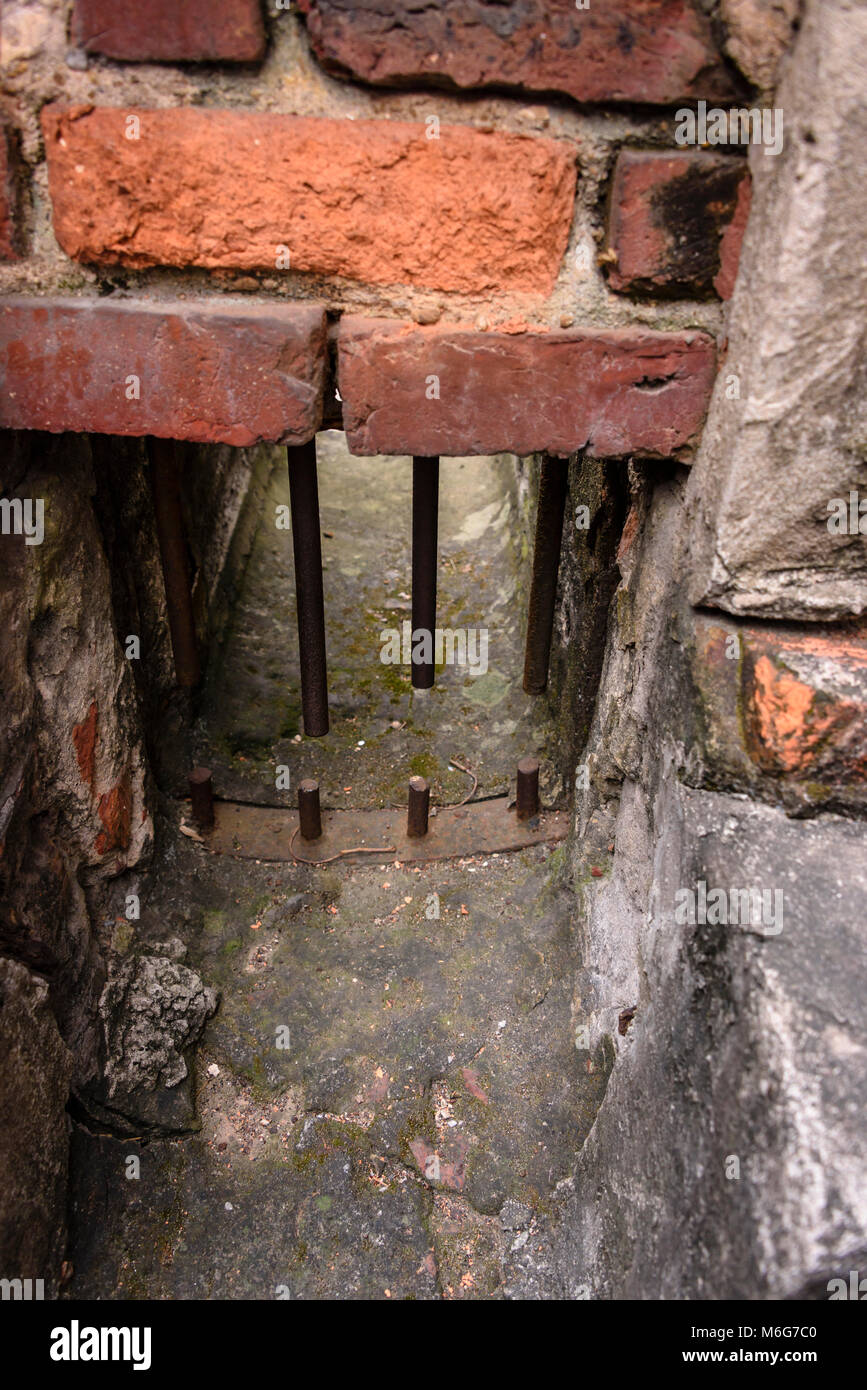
202, 797
425, 509
307, 546
546, 563
165, 483
528, 788
309, 813
418, 808
482, 827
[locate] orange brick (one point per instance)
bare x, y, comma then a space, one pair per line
374, 201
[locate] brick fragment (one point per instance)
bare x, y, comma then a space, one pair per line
781, 713
806, 707
650, 51
171, 31
374, 201
676, 222
455, 391
224, 372
8, 228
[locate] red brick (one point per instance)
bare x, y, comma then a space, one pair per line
371, 200
654, 51
805, 702
781, 714
676, 221
208, 372
84, 737
611, 392
8, 230
115, 812
171, 31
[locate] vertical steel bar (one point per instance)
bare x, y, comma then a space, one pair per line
527, 799
309, 813
202, 797
165, 482
546, 563
418, 808
307, 546
425, 510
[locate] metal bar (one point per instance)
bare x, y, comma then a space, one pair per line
418, 807
425, 509
546, 563
481, 827
307, 545
528, 788
202, 797
165, 483
309, 812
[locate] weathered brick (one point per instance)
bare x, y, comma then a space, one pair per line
805, 707
782, 714
171, 31
676, 221
654, 51
410, 390
8, 229
371, 200
207, 372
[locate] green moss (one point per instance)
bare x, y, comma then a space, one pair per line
214, 922
423, 765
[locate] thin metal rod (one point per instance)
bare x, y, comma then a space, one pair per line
202, 797
165, 483
309, 813
425, 510
553, 481
418, 807
307, 545
527, 800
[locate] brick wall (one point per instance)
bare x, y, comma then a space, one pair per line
508, 174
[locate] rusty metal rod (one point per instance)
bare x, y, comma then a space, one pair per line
202, 797
418, 807
528, 788
546, 563
307, 546
165, 484
425, 509
309, 813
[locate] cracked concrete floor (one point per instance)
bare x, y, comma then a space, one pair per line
389, 1093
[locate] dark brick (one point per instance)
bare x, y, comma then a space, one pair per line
171, 31
655, 51
611, 392
8, 228
676, 221
208, 372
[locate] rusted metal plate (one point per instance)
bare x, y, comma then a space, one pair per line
479, 827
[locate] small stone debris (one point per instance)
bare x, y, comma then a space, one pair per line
515, 1216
